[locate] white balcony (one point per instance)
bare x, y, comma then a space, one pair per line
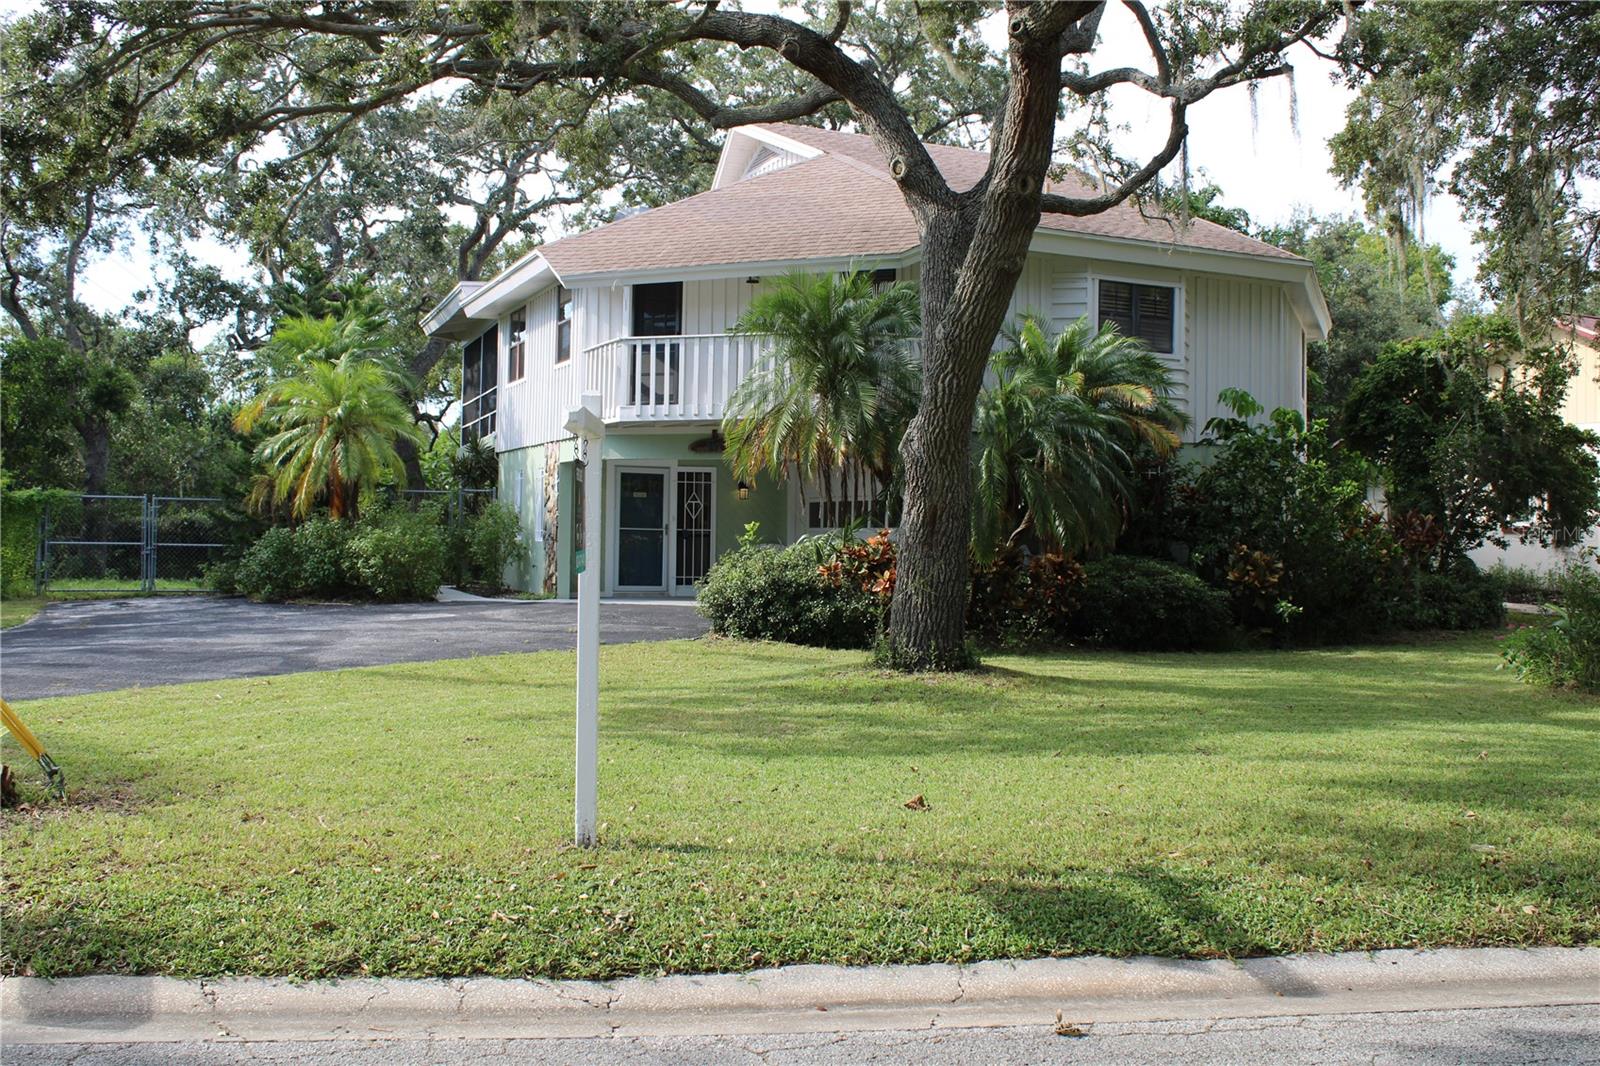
667, 379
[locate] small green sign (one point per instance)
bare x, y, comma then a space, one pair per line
580, 560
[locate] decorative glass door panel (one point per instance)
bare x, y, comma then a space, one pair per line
694, 526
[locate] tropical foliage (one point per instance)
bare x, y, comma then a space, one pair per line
331, 427
1278, 516
1563, 651
1467, 426
1058, 433
841, 385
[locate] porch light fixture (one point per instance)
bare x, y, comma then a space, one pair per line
744, 490
752, 280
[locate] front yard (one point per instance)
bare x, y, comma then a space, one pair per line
411, 819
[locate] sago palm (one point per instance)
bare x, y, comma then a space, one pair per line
1057, 433
332, 431
840, 384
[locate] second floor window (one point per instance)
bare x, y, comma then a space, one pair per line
517, 348
1141, 311
563, 324
479, 372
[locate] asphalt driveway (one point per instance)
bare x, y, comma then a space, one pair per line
96, 645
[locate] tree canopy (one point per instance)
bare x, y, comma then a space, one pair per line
1497, 104
1467, 426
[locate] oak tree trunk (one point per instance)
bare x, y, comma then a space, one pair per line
973, 252
95, 432
411, 456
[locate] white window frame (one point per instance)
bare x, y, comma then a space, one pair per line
522, 345
571, 322
800, 514
1179, 286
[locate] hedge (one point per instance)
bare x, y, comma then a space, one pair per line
20, 510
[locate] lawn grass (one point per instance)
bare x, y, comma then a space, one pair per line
413, 819
77, 587
14, 612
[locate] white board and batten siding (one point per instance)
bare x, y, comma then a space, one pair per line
1242, 334
534, 409
1229, 333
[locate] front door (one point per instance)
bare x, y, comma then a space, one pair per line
642, 530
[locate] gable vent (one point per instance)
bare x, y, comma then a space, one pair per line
767, 159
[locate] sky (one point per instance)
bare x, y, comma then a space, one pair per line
1262, 166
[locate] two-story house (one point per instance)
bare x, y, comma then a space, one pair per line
638, 312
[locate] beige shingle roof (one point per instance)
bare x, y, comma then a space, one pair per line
842, 203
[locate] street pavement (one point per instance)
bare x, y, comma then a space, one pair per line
98, 645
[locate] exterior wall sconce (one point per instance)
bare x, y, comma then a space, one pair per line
752, 280
744, 490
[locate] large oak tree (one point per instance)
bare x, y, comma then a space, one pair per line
180, 78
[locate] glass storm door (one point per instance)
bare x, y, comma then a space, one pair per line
694, 526
641, 529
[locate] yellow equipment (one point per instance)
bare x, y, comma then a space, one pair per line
30, 744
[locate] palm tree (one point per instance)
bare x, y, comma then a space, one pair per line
299, 339
1057, 433
840, 387
332, 426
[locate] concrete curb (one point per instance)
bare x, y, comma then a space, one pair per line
794, 999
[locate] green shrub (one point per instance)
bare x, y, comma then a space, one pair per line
323, 550
398, 555
389, 555
20, 510
1461, 598
1028, 600
1144, 604
19, 545
486, 544
270, 568
1524, 584
1565, 651
222, 576
762, 592
1279, 519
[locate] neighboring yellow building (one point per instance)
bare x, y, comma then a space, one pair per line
1583, 398
1582, 409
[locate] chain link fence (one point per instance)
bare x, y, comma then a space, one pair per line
453, 504
157, 544
105, 543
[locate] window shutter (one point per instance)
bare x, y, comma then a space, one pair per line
1116, 305
1153, 317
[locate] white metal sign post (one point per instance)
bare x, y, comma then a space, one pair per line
585, 424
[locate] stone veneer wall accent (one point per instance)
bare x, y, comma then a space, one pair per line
552, 515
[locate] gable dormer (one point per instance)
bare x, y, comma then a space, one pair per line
752, 151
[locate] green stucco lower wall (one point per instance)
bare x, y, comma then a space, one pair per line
526, 571
767, 503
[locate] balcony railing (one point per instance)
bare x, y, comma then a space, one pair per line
685, 378
678, 378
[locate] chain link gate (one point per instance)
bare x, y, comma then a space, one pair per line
105, 543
